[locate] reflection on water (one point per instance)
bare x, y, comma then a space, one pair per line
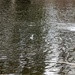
60, 37
37, 38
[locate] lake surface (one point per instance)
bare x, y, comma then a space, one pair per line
37, 37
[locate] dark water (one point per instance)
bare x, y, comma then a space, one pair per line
37, 37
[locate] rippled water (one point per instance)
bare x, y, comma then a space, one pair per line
37, 37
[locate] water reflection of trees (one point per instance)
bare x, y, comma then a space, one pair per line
22, 43
26, 41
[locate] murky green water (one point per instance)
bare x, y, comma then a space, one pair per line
37, 37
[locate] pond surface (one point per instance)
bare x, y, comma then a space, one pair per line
37, 37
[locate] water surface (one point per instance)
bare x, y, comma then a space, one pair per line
37, 37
